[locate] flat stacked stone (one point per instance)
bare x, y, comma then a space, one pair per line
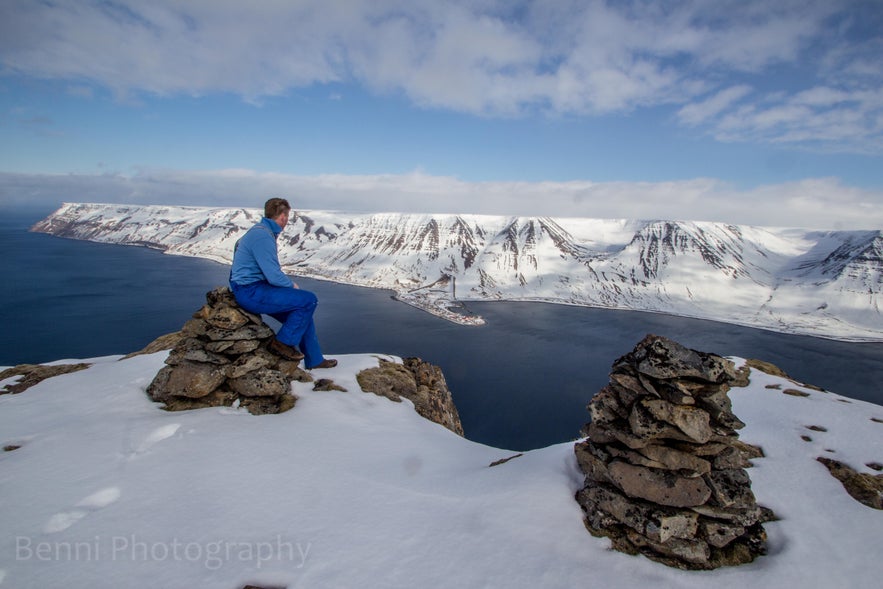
222, 358
665, 470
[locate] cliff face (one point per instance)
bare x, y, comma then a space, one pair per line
815, 283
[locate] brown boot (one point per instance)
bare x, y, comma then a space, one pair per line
326, 363
285, 351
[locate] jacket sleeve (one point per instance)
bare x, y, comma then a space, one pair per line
267, 259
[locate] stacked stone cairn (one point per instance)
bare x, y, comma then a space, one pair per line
665, 470
221, 358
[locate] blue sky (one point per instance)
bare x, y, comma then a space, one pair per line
767, 113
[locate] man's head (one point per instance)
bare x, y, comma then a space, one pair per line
277, 209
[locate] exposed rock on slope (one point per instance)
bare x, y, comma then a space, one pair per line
861, 486
34, 373
421, 383
665, 471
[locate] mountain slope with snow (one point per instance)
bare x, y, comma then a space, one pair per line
815, 283
102, 488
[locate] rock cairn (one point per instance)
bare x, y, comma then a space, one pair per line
665, 470
221, 358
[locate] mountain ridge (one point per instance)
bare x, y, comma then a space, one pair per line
824, 284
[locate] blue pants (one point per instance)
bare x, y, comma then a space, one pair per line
292, 307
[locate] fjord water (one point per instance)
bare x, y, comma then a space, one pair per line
522, 381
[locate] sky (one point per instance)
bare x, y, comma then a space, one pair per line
751, 112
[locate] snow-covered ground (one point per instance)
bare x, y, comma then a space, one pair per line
353, 490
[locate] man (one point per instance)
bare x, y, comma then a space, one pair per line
260, 287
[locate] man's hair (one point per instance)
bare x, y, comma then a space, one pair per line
275, 207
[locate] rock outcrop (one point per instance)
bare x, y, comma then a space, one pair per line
222, 358
32, 374
861, 486
418, 381
665, 470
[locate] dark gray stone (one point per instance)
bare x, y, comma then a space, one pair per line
664, 468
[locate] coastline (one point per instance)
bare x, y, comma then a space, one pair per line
435, 298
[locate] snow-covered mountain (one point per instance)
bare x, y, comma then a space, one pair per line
816, 283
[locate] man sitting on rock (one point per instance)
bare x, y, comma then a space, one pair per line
260, 287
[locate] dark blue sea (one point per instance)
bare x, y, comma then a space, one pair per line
522, 381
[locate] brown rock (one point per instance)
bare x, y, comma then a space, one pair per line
268, 405
263, 382
292, 370
655, 522
766, 367
632, 456
864, 488
738, 516
649, 428
224, 317
661, 358
748, 450
245, 364
731, 488
590, 464
605, 407
194, 328
680, 393
691, 421
674, 459
182, 354
628, 388
731, 458
658, 486
233, 347
191, 379
720, 409
326, 384
217, 398
33, 374
247, 332
719, 534
420, 382
691, 551
600, 435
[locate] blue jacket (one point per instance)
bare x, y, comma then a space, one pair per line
255, 258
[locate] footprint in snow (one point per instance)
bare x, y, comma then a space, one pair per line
157, 435
98, 500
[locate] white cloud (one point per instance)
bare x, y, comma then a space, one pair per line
823, 203
699, 112
492, 57
821, 118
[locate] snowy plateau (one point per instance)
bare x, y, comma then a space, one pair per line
819, 283
102, 488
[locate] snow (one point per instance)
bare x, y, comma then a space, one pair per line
353, 490
788, 280
823, 284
